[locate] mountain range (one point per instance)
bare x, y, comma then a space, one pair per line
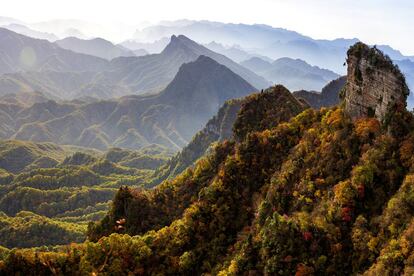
95, 47
295, 74
64, 74
27, 31
262, 40
169, 118
242, 42
22, 53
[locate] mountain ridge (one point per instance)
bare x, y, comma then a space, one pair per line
295, 74
95, 47
169, 118
64, 76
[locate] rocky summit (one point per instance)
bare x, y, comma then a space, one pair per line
374, 85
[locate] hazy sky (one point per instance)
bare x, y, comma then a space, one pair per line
373, 21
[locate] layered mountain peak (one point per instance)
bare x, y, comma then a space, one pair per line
204, 85
180, 42
184, 47
375, 86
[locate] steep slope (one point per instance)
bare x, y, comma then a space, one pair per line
249, 76
95, 47
374, 85
329, 96
320, 194
275, 103
169, 118
293, 73
218, 128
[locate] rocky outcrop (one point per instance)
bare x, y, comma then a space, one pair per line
375, 86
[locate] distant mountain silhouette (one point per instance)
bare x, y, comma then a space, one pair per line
25, 30
154, 47
19, 52
293, 73
407, 67
329, 96
262, 40
139, 52
95, 47
67, 75
265, 40
235, 53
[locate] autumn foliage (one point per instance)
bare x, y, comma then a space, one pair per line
319, 194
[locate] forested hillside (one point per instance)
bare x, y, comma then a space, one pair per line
49, 193
276, 102
310, 192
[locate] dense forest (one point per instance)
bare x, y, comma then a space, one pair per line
297, 191
49, 193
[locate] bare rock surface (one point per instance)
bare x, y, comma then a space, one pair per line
375, 86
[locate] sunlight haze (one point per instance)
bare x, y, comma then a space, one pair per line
373, 21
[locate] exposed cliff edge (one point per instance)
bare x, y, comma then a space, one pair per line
374, 86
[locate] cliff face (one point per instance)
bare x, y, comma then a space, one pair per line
374, 85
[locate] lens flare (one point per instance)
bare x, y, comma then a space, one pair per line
28, 57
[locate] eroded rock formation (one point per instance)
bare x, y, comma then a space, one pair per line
375, 86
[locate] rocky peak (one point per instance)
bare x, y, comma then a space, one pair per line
180, 43
375, 86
